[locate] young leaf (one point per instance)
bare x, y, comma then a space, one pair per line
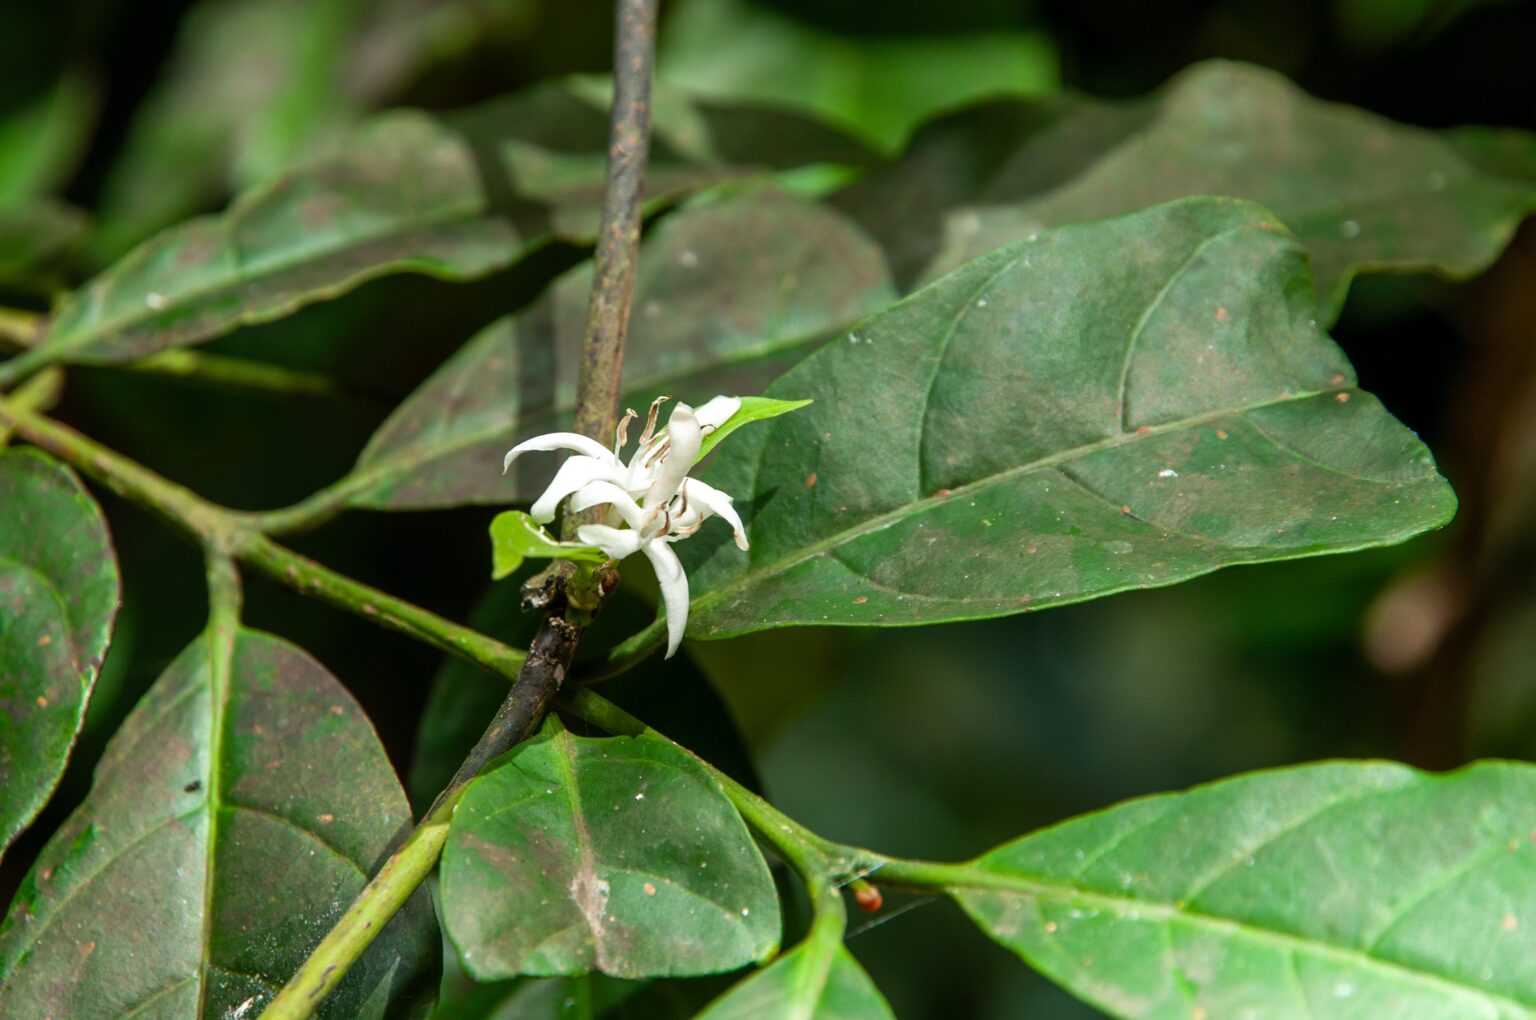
806, 984
515, 536
752, 409
618, 855
1110, 406
1360, 192
235, 814
58, 599
730, 293
1345, 889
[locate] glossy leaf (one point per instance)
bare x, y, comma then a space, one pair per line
1337, 890
810, 983
730, 292
1111, 406
235, 814
58, 599
878, 87
1362, 193
619, 855
455, 197
515, 537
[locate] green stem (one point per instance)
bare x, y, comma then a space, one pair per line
380, 900
310, 513
207, 524
29, 361
236, 373
37, 394
310, 578
18, 327
233, 534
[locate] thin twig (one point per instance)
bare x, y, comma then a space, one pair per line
618, 238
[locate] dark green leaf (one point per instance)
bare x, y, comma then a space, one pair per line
1360, 192
730, 292
455, 197
810, 983
876, 87
619, 855
515, 536
250, 86
240, 808
1337, 890
58, 599
1111, 406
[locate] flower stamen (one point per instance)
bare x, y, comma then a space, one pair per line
650, 420
621, 434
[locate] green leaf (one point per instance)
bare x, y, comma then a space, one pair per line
811, 983
1111, 406
515, 536
1336, 890
455, 197
879, 88
236, 813
1362, 193
730, 292
43, 140
35, 240
619, 855
752, 409
58, 599
250, 86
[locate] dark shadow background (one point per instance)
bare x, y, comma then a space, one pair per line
946, 741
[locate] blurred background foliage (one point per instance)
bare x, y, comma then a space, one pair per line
118, 118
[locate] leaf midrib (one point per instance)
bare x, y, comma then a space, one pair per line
121, 324
883, 520
980, 880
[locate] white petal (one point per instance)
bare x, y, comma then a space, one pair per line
674, 590
715, 411
612, 541
559, 441
573, 474
604, 491
715, 502
683, 440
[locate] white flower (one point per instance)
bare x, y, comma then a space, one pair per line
652, 492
